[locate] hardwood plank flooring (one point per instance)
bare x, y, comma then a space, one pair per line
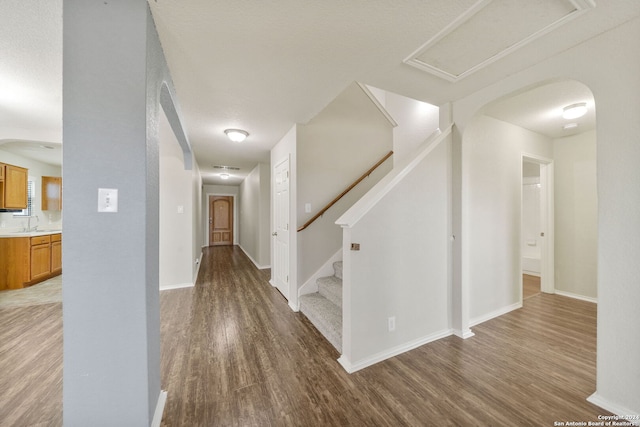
234, 354
530, 286
31, 365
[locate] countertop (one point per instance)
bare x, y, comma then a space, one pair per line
7, 233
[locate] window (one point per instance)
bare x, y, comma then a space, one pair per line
30, 193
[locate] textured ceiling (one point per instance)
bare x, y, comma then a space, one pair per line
264, 65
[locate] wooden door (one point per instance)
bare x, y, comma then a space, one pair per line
220, 220
281, 233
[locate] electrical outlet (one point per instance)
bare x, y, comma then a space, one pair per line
392, 323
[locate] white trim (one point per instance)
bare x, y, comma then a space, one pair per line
547, 218
294, 307
157, 415
377, 103
496, 313
576, 296
388, 182
614, 408
384, 355
176, 286
207, 235
463, 334
581, 6
199, 263
311, 286
258, 266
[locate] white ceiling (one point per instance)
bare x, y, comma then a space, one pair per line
263, 66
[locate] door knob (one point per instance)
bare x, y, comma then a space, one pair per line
275, 233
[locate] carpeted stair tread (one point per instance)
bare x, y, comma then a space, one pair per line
331, 288
337, 267
325, 316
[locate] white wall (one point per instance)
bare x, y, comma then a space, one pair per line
178, 203
47, 219
402, 267
576, 215
613, 79
416, 121
492, 223
334, 149
255, 211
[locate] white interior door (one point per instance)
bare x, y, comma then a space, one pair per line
546, 233
281, 233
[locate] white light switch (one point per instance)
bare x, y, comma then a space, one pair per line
307, 207
108, 200
180, 209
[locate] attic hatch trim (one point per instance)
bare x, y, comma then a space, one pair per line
581, 6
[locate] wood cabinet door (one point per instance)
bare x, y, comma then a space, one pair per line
51, 193
40, 261
56, 257
15, 187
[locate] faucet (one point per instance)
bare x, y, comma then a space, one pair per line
28, 228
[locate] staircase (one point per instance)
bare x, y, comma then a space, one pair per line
324, 308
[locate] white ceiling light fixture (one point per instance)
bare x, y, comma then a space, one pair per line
574, 111
570, 126
224, 175
236, 135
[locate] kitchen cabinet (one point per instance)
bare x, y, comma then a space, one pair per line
56, 254
51, 193
40, 257
25, 261
13, 187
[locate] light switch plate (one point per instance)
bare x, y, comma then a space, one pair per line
108, 200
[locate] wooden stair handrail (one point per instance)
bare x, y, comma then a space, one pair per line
349, 188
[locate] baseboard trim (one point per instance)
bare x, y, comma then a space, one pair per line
620, 411
176, 286
258, 266
294, 307
394, 351
576, 296
157, 415
463, 334
495, 313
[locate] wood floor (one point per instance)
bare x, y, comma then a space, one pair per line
530, 286
234, 354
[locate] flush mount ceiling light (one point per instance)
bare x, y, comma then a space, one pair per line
236, 135
570, 126
574, 111
224, 175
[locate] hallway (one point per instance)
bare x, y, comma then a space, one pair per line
233, 353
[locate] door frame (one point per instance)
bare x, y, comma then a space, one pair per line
205, 219
547, 223
293, 238
211, 220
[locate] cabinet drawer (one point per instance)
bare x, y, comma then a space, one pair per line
56, 237
39, 240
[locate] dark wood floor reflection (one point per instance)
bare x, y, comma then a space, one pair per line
234, 354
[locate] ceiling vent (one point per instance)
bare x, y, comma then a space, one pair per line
229, 168
490, 30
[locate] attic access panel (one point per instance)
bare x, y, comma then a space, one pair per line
490, 30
